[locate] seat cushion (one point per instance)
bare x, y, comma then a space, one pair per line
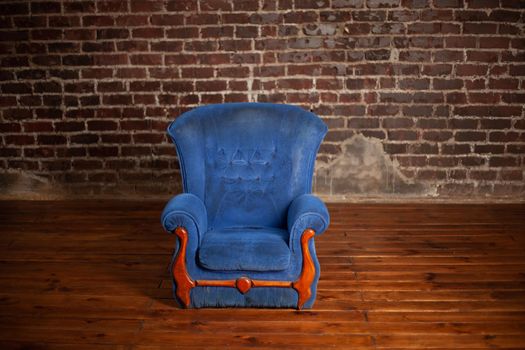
251, 248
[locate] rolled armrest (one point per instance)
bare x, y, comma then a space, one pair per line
185, 210
306, 211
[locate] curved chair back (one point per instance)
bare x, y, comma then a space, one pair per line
247, 161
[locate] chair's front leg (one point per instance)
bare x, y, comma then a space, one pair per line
183, 281
304, 282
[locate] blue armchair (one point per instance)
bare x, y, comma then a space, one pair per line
246, 220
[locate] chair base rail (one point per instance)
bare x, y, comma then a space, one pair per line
243, 284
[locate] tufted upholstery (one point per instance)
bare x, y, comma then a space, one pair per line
250, 162
243, 164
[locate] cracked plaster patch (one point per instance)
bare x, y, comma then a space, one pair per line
363, 168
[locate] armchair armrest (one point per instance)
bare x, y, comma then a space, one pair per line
186, 210
306, 211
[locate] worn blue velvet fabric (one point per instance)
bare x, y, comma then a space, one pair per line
247, 176
260, 248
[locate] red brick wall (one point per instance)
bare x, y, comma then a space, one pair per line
88, 87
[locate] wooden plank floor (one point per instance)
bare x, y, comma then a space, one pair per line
93, 275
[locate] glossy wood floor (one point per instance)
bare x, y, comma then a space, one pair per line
93, 275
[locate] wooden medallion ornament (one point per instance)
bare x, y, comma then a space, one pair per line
243, 284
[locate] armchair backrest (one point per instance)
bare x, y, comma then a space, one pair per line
247, 161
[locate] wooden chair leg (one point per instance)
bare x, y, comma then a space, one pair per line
303, 283
180, 273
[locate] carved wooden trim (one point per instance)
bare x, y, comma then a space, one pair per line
302, 285
243, 284
279, 284
180, 273
215, 283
